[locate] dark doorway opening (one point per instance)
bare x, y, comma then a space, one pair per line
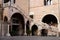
50, 19
34, 30
44, 32
17, 25
27, 28
15, 30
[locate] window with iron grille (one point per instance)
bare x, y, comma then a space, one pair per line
5, 1
47, 2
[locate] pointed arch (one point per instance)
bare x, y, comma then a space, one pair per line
17, 26
50, 19
34, 30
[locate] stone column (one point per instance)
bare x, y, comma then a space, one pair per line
8, 34
31, 24
25, 29
57, 33
2, 29
30, 27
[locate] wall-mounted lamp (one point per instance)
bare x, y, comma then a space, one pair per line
31, 14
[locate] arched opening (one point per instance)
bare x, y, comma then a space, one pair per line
50, 20
44, 32
34, 30
17, 25
5, 1
27, 28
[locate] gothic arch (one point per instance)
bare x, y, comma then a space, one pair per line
50, 19
34, 30
5, 1
17, 26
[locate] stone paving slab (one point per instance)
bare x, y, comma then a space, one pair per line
29, 38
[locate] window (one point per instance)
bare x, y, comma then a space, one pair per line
5, 1
44, 2
14, 1
50, 2
47, 2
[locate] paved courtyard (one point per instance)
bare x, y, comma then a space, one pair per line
29, 38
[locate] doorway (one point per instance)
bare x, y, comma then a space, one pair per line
44, 32
17, 25
27, 28
34, 30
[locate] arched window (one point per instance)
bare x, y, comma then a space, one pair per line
50, 19
47, 2
5, 1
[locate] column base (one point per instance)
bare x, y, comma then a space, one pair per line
8, 34
57, 35
25, 34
